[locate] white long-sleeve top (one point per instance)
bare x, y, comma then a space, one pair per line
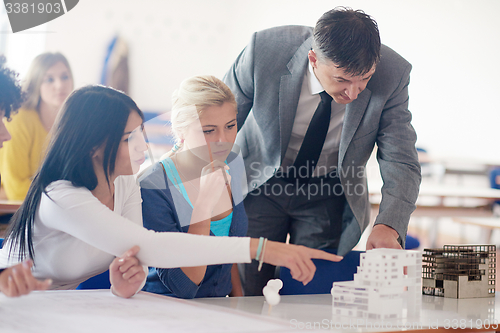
76, 237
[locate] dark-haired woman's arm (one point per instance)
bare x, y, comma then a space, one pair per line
76, 212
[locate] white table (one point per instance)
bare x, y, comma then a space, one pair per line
488, 223
446, 190
441, 192
99, 311
301, 311
436, 200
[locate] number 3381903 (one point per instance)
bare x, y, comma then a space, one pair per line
25, 8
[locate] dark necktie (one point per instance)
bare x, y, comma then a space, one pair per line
309, 152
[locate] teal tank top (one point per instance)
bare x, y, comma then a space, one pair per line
219, 227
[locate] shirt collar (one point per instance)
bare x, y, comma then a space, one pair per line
315, 85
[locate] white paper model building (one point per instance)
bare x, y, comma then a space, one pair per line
386, 279
459, 271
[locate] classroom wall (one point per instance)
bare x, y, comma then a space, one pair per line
452, 44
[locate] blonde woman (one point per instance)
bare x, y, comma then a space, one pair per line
196, 188
48, 82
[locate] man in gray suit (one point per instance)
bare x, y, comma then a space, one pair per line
311, 106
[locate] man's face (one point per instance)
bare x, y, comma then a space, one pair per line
343, 88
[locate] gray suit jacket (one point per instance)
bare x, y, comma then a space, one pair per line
266, 79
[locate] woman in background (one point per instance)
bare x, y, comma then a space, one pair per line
83, 214
47, 85
186, 191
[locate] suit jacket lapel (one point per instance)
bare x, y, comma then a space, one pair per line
290, 86
353, 114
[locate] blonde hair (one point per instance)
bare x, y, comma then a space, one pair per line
34, 78
193, 96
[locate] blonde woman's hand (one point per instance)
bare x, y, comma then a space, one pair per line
18, 280
214, 181
126, 274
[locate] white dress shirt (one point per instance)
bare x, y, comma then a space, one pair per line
308, 102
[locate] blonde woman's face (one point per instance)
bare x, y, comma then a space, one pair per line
57, 84
214, 134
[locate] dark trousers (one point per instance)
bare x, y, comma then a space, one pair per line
310, 212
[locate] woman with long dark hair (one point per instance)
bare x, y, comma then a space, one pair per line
82, 212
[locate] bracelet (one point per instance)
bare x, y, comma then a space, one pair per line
259, 248
261, 259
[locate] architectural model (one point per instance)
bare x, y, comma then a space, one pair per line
386, 280
459, 271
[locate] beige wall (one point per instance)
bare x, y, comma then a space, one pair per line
452, 44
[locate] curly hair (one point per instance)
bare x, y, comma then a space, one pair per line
11, 96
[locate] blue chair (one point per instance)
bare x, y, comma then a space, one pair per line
495, 179
100, 281
327, 272
495, 183
411, 243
